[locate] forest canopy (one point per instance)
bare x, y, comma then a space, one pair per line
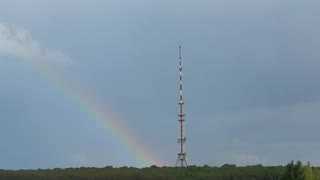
292, 171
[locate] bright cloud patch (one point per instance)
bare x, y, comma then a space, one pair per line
18, 42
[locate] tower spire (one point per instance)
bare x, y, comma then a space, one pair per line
182, 160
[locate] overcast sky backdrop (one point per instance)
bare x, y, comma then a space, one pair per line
251, 80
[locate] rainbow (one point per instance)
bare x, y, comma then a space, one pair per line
118, 131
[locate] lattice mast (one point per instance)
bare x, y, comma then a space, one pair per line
182, 160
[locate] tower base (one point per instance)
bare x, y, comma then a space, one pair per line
182, 160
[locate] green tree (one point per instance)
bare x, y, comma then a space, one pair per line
294, 171
316, 174
307, 172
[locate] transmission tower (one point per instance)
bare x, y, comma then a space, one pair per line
182, 159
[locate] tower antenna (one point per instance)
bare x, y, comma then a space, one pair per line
182, 159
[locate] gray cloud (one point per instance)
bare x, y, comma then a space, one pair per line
251, 73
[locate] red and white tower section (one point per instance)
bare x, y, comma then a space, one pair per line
182, 155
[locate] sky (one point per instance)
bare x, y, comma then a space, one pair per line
251, 92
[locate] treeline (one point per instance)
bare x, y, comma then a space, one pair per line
291, 171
